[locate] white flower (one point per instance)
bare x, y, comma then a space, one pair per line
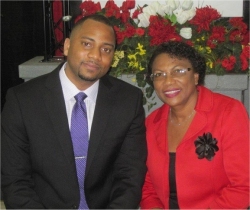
152, 9
183, 16
165, 9
187, 4
144, 20
174, 4
186, 33
191, 13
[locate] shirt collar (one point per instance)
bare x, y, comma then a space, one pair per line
70, 90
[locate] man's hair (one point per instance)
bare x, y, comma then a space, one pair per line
181, 50
96, 17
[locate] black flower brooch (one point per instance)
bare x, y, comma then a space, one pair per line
206, 146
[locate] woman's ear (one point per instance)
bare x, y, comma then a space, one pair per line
196, 78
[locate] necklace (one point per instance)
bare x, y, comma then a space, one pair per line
187, 118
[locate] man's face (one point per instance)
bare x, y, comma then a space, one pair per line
89, 52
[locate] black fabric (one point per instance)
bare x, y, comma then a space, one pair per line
173, 200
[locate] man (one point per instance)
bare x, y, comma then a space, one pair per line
39, 163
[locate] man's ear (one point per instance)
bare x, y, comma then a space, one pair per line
66, 46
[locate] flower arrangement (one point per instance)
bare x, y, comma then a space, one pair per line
224, 42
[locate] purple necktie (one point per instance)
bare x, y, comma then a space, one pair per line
80, 140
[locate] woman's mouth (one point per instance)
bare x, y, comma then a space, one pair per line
172, 93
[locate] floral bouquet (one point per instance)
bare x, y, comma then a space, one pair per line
224, 42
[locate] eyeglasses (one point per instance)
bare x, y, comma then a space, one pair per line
174, 74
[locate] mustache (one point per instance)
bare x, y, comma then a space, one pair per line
90, 62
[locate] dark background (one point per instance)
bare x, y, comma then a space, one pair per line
22, 37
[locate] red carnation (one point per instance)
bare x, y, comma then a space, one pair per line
129, 30
228, 63
203, 18
244, 63
161, 30
217, 36
238, 23
140, 31
246, 52
236, 36
245, 39
244, 57
120, 35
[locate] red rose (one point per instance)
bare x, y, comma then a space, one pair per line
137, 12
89, 7
130, 4
125, 16
111, 9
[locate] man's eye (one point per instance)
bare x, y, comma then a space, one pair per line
87, 44
107, 50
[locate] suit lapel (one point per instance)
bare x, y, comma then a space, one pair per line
198, 123
104, 103
160, 131
203, 106
54, 101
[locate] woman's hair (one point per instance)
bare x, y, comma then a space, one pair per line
181, 50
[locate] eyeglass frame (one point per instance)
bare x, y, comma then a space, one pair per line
164, 74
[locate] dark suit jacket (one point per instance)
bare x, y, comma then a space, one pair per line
38, 167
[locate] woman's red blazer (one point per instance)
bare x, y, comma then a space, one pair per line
222, 182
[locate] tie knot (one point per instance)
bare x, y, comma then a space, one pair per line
80, 97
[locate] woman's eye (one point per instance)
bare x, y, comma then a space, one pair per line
180, 70
158, 74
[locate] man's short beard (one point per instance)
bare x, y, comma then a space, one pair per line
87, 78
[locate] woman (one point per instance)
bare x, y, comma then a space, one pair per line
198, 141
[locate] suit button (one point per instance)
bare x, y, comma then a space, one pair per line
74, 207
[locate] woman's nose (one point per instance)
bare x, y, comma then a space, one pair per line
169, 79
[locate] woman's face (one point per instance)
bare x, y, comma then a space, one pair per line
179, 89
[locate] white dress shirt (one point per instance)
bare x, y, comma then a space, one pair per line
70, 90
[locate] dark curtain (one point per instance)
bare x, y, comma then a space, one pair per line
21, 39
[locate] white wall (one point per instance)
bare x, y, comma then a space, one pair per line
227, 8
